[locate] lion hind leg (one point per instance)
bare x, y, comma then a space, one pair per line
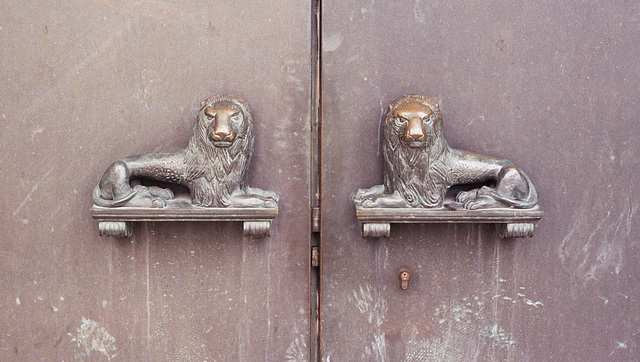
482, 202
514, 189
114, 184
144, 197
165, 194
115, 190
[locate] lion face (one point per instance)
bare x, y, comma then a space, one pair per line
414, 121
224, 129
224, 120
414, 151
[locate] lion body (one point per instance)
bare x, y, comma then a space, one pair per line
213, 165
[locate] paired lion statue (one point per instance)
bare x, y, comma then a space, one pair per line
213, 165
420, 167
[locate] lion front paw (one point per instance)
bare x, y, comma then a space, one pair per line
254, 201
270, 203
255, 197
370, 193
394, 200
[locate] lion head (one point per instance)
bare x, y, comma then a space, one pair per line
415, 151
220, 150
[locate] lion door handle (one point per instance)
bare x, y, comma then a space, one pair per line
212, 166
420, 169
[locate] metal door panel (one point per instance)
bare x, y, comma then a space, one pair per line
550, 86
85, 84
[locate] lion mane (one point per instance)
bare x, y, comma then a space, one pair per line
224, 169
420, 174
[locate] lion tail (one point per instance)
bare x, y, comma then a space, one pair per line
100, 201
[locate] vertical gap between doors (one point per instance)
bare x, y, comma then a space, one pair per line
315, 177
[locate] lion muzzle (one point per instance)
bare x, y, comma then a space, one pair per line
414, 134
220, 131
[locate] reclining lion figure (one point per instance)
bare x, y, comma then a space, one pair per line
213, 165
420, 167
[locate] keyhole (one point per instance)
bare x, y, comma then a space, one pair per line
404, 279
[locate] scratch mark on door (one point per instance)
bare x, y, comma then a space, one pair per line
463, 330
619, 345
33, 189
590, 251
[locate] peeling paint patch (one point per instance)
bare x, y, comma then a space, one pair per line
91, 337
532, 303
371, 303
520, 297
460, 330
378, 349
297, 350
498, 335
332, 43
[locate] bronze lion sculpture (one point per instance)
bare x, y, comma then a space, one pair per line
420, 167
213, 165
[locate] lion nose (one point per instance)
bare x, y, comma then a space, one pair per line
221, 129
221, 133
414, 130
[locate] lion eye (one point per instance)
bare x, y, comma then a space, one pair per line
401, 120
427, 119
209, 113
236, 118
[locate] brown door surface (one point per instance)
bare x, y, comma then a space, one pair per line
87, 83
552, 86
